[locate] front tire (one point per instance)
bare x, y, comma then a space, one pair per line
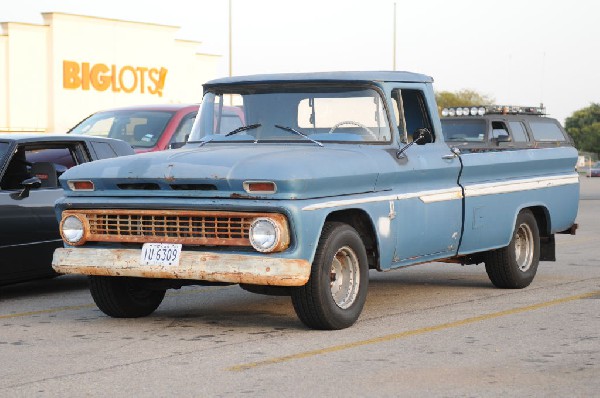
515, 266
124, 297
336, 291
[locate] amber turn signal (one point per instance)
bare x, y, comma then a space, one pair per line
260, 187
82, 185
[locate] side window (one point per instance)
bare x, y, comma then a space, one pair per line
498, 129
184, 129
411, 113
47, 162
518, 132
546, 131
103, 150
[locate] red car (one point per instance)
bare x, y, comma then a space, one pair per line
148, 127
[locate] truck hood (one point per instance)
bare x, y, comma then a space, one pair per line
299, 172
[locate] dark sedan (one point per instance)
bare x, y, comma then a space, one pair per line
30, 165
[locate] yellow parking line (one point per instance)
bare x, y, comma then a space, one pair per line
408, 333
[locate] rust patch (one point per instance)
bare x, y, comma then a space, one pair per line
188, 227
212, 267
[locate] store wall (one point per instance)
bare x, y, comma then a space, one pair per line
58, 73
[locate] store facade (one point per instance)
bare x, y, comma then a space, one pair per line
54, 74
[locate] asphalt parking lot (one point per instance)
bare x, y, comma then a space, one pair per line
430, 330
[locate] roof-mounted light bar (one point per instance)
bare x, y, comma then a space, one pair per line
493, 110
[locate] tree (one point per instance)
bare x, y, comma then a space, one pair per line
467, 98
584, 127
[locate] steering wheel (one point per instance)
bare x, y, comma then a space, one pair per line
362, 126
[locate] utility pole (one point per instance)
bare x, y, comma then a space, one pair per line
394, 41
230, 52
230, 60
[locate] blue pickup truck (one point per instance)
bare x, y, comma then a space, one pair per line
331, 175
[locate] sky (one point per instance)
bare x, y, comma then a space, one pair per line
519, 52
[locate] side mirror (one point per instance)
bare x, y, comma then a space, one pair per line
502, 138
422, 136
28, 185
175, 145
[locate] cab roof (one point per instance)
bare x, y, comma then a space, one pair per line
323, 77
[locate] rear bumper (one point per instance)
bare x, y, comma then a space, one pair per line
202, 266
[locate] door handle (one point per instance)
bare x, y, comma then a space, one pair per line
455, 152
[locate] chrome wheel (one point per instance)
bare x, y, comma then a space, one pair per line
344, 277
336, 291
524, 247
514, 266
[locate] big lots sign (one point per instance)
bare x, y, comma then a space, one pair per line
101, 77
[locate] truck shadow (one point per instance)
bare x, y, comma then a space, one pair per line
40, 287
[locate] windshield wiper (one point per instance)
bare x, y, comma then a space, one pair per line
238, 130
298, 133
243, 128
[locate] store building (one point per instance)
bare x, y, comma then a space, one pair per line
54, 74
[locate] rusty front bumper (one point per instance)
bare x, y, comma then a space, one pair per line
213, 267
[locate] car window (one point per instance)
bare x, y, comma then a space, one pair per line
139, 128
499, 129
340, 113
472, 130
411, 114
184, 129
546, 131
103, 150
46, 161
518, 132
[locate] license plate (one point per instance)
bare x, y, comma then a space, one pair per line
160, 254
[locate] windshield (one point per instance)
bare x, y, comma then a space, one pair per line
140, 128
472, 130
300, 113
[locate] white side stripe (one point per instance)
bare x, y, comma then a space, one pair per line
519, 185
454, 193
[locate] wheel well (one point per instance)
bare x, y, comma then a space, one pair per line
361, 222
547, 243
542, 217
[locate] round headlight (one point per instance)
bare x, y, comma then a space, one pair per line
445, 112
474, 111
264, 234
466, 111
72, 229
451, 111
459, 111
481, 111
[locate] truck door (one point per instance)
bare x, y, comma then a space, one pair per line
429, 209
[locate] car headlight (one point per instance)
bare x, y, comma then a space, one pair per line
72, 230
264, 235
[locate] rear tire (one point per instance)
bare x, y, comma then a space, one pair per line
336, 291
515, 266
124, 297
